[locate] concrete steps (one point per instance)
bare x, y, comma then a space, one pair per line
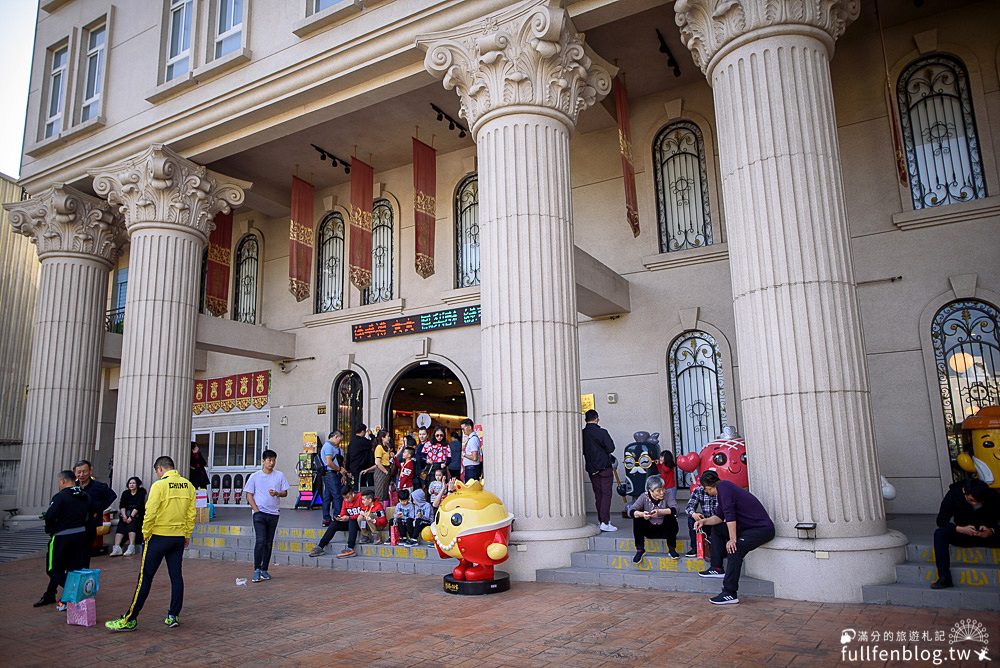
975, 571
292, 546
608, 562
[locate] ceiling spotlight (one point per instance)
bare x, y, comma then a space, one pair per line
402, 389
461, 134
461, 391
322, 156
440, 116
430, 382
347, 170
450, 382
421, 394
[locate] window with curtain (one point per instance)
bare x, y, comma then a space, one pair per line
943, 158
57, 92
697, 393
178, 38
93, 67
330, 264
229, 27
965, 337
348, 394
467, 232
681, 175
381, 287
247, 270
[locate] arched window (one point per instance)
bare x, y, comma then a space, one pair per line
964, 336
467, 232
697, 393
381, 287
245, 290
682, 207
939, 132
348, 395
330, 264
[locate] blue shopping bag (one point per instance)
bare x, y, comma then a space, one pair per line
81, 584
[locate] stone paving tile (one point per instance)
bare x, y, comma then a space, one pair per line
306, 617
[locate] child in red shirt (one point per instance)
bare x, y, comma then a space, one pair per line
406, 470
665, 466
371, 518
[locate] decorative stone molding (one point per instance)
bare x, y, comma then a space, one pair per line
160, 186
707, 26
62, 219
529, 54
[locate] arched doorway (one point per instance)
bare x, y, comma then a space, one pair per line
425, 387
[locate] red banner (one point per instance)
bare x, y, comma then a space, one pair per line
625, 147
240, 391
220, 245
300, 239
424, 203
362, 200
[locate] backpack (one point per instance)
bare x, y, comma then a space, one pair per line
318, 465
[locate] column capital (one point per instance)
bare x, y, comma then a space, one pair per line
527, 55
709, 26
62, 219
159, 186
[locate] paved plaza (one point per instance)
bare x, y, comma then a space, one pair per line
306, 616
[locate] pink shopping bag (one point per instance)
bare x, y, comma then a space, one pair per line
83, 613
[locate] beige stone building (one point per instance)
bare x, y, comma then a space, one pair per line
817, 263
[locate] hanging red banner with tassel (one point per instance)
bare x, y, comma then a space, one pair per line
300, 239
220, 245
424, 205
625, 147
362, 200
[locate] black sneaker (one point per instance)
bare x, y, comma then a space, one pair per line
43, 601
724, 599
638, 556
942, 583
712, 573
691, 553
673, 554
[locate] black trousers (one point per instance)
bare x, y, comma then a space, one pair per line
66, 553
155, 550
643, 529
601, 482
746, 540
946, 536
410, 528
264, 526
350, 526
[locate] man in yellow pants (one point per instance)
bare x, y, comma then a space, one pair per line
167, 527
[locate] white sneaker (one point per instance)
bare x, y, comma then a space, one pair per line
116, 551
607, 526
130, 551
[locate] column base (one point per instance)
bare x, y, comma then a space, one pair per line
534, 550
24, 521
800, 571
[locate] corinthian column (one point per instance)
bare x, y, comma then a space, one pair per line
169, 203
78, 240
807, 415
523, 75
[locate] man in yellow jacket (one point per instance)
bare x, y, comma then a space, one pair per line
166, 531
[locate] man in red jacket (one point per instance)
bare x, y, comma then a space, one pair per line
371, 518
346, 520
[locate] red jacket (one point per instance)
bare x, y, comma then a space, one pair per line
351, 508
377, 511
668, 475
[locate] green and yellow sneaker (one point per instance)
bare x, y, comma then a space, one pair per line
172, 621
120, 624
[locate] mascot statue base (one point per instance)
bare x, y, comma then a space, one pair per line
473, 526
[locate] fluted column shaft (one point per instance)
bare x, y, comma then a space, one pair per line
529, 324
169, 203
78, 239
803, 377
157, 370
64, 378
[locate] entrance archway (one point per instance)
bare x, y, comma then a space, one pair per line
425, 387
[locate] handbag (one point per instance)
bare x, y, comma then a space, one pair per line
81, 585
699, 541
83, 613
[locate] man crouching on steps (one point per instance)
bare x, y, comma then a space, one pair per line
166, 531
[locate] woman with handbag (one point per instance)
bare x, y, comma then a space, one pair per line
384, 452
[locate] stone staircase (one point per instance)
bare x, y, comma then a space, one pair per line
975, 571
292, 545
609, 562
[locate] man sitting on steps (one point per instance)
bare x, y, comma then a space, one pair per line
975, 509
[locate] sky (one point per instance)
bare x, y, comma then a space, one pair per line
17, 34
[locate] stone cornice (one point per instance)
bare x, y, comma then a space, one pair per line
64, 220
159, 186
708, 26
527, 55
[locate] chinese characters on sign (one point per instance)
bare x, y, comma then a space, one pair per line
238, 391
463, 316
